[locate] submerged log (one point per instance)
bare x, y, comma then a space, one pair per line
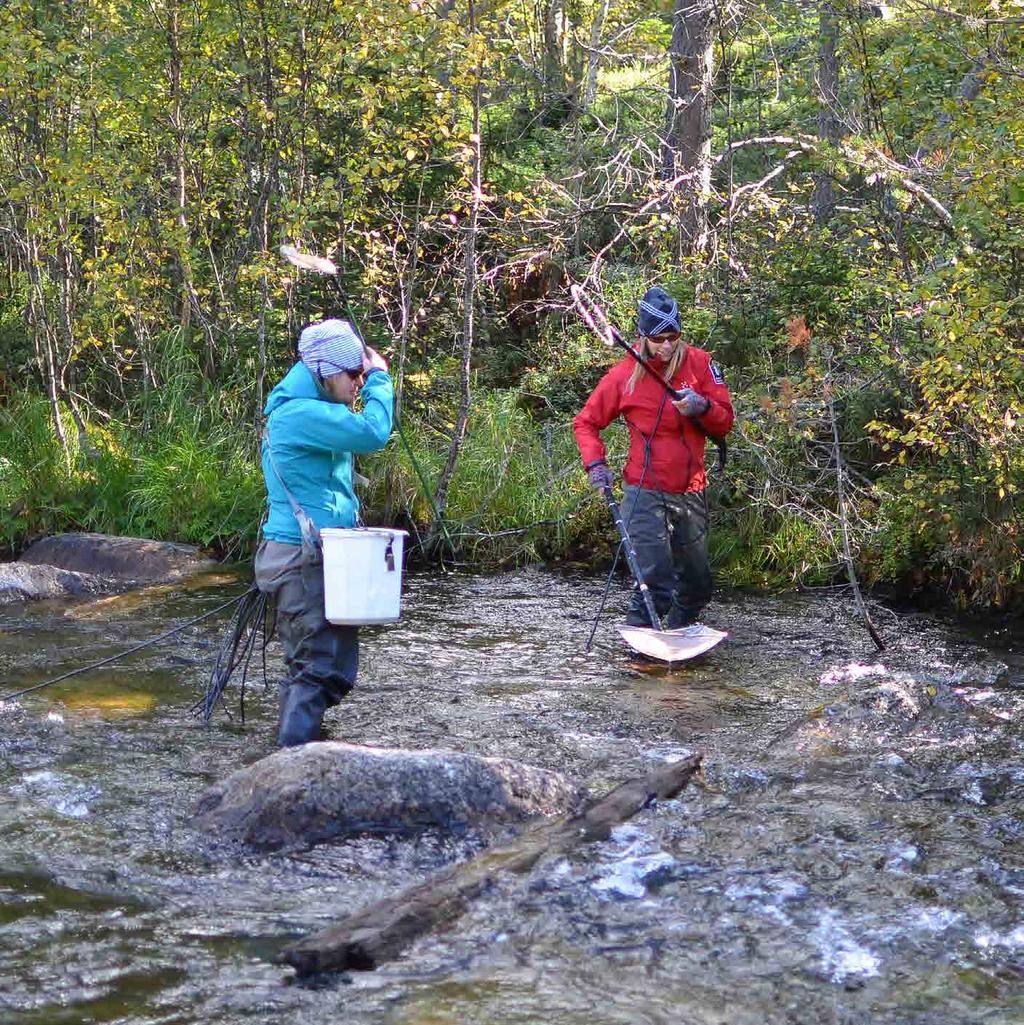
367, 938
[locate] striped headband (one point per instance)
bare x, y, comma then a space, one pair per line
330, 347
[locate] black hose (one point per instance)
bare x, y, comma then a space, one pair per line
237, 650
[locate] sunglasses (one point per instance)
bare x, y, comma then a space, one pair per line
357, 375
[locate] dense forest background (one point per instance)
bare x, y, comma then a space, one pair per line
833, 191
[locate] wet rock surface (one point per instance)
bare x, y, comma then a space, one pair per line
24, 582
133, 559
77, 565
306, 795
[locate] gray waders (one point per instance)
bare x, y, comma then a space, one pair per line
670, 534
322, 658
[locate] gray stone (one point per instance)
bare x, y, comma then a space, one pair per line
877, 713
304, 795
21, 582
135, 559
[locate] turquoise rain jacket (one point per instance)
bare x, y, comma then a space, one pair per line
313, 442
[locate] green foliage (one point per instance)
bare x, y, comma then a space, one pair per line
777, 551
167, 481
36, 488
518, 493
152, 164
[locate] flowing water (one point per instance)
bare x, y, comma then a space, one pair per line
853, 855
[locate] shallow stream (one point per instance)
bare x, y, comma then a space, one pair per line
855, 853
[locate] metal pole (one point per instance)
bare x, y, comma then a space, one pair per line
631, 557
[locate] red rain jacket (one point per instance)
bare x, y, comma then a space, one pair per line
677, 448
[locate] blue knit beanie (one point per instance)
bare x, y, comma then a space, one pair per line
657, 313
330, 347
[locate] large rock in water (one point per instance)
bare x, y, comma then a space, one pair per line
71, 565
20, 582
304, 795
879, 709
134, 559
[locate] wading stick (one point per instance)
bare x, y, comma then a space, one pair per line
631, 557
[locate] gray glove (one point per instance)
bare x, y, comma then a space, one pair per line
690, 403
600, 476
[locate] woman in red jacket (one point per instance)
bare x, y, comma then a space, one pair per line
664, 506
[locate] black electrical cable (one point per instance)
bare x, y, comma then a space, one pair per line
237, 650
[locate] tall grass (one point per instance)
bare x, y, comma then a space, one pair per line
176, 466
171, 466
772, 549
171, 483
179, 467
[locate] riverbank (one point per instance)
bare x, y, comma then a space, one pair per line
176, 469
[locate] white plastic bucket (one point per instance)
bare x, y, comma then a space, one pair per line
362, 574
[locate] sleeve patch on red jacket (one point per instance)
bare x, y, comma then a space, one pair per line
716, 373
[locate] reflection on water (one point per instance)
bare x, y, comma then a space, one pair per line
119, 703
854, 852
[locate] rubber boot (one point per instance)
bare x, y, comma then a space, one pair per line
637, 617
302, 712
679, 617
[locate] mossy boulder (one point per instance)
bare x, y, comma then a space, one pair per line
324, 791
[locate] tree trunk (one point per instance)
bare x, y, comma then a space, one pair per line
829, 124
594, 53
43, 341
267, 162
967, 92
468, 296
175, 68
407, 296
66, 353
686, 151
554, 66
380, 932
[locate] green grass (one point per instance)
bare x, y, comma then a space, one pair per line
178, 471
518, 494
170, 482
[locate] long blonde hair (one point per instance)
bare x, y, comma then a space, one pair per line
670, 371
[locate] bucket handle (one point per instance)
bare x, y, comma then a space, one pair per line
389, 555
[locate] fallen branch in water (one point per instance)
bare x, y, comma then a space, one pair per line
380, 932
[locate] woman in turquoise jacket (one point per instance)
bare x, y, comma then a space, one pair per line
311, 436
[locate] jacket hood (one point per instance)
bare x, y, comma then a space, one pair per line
298, 383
